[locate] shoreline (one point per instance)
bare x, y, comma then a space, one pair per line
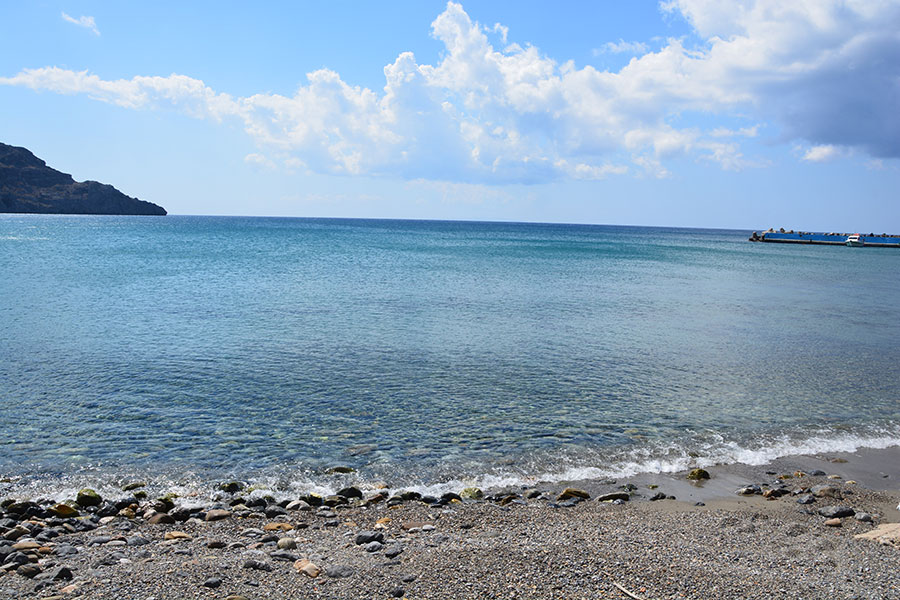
524, 543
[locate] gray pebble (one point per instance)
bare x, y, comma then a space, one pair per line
336, 571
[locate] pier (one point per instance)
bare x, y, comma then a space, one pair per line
781, 236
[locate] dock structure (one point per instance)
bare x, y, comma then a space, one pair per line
781, 236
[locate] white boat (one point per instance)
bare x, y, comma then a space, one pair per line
854, 240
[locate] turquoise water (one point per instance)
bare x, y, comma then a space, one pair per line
431, 353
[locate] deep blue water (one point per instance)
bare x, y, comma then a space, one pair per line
421, 353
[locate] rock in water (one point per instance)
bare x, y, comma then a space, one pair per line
471, 493
88, 497
28, 185
698, 474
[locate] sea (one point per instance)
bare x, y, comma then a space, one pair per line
427, 355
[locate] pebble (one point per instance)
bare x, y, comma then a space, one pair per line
284, 555
338, 571
217, 514
287, 543
836, 522
365, 537
832, 512
374, 546
257, 565
212, 582
569, 493
161, 519
610, 497
307, 567
28, 570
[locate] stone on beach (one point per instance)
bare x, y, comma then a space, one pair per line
63, 511
832, 512
698, 474
161, 519
885, 533
350, 492
217, 514
366, 537
613, 496
823, 491
339, 571
570, 493
88, 497
307, 567
471, 493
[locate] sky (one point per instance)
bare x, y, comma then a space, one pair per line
744, 114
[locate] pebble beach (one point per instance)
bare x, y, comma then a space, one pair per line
799, 527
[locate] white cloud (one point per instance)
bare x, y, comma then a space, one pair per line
819, 72
823, 153
86, 22
622, 47
260, 161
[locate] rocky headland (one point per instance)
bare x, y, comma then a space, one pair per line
28, 185
784, 530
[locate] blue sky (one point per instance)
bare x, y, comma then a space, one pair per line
730, 113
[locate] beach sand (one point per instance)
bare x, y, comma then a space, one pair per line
505, 546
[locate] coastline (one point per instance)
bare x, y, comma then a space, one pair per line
513, 543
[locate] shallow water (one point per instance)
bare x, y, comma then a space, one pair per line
423, 353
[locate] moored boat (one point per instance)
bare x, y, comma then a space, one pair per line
855, 240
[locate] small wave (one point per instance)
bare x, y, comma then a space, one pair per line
702, 449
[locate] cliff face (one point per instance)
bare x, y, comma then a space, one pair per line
28, 185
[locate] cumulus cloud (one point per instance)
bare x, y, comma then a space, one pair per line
820, 72
622, 47
86, 22
823, 153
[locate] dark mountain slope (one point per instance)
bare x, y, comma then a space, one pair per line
28, 185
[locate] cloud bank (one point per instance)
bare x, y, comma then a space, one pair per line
822, 73
86, 22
